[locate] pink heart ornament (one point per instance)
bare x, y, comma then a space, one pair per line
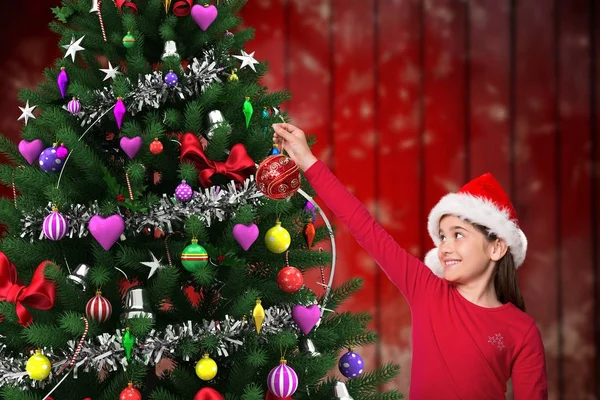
31, 150
204, 16
131, 146
245, 235
306, 317
107, 230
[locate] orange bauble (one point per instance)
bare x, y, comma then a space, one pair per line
278, 177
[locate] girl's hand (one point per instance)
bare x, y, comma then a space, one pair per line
293, 141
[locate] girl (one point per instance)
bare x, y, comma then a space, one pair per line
470, 331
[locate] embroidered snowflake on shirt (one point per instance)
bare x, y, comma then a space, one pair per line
497, 340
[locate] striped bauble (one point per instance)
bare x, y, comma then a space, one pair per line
74, 106
55, 225
282, 380
98, 308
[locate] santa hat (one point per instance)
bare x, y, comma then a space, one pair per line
483, 202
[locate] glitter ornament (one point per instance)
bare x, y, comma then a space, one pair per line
74, 106
277, 239
278, 177
282, 380
49, 160
351, 364
38, 366
128, 41
98, 308
130, 393
171, 79
183, 192
55, 225
194, 257
206, 368
156, 147
290, 279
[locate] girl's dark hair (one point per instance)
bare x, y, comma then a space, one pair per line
506, 282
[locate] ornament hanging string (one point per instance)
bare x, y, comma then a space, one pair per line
79, 140
14, 189
322, 271
101, 20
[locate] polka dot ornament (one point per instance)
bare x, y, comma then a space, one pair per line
49, 160
38, 366
130, 393
351, 364
183, 192
171, 79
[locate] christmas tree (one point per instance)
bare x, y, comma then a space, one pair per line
157, 243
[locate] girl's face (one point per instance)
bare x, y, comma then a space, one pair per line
464, 251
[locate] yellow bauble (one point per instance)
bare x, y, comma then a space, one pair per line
206, 368
38, 366
277, 239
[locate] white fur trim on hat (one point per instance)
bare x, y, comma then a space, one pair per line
482, 212
433, 262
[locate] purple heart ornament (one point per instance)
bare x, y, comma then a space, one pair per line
106, 230
131, 146
306, 317
245, 235
203, 15
31, 150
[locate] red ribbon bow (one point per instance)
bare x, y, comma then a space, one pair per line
125, 3
182, 8
238, 166
39, 294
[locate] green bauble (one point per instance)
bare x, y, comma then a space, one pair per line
128, 40
194, 257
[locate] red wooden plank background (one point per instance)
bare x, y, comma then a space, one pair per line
408, 99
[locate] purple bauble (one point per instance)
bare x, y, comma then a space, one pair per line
62, 152
282, 380
351, 364
55, 225
49, 160
309, 209
171, 79
63, 82
74, 106
183, 191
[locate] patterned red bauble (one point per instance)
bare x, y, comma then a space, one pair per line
271, 396
98, 308
278, 177
130, 393
208, 394
156, 147
290, 279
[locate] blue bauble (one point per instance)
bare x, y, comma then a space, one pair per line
171, 79
49, 160
351, 365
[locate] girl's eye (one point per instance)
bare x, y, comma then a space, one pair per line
442, 238
458, 235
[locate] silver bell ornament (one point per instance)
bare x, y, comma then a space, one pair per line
79, 276
170, 50
340, 391
308, 347
137, 305
215, 120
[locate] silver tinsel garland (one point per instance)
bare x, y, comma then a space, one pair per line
152, 92
106, 353
213, 203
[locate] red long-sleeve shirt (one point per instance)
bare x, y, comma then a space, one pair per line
461, 351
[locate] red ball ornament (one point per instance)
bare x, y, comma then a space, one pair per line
208, 394
98, 308
278, 177
130, 393
271, 396
156, 147
290, 279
